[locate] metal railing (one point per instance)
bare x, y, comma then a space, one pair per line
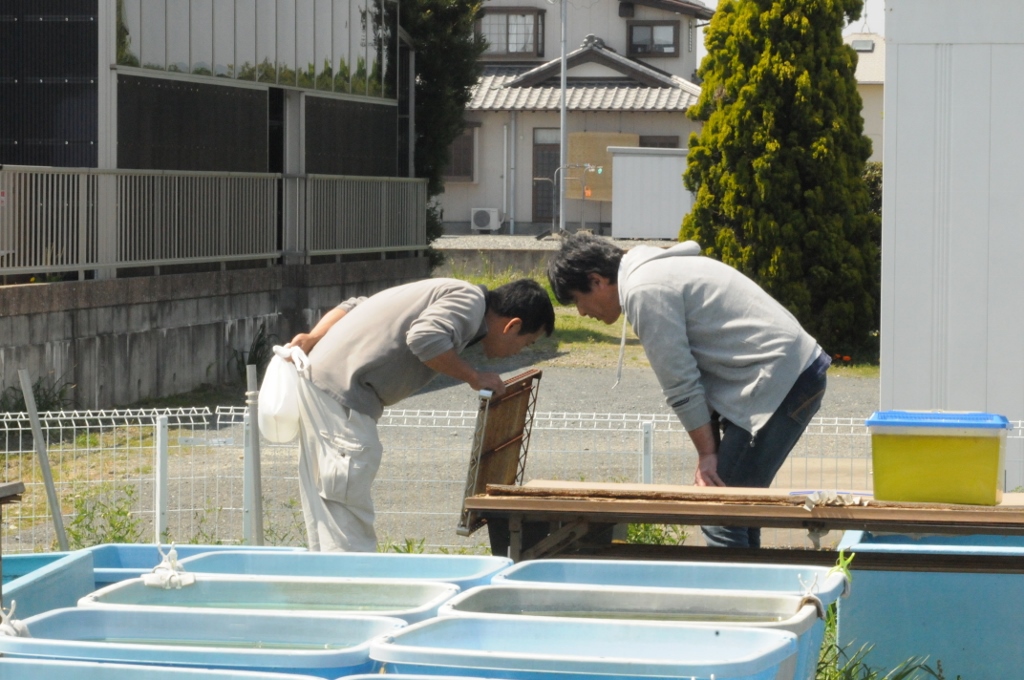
119, 478
339, 208
55, 220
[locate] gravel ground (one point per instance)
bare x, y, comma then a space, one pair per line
589, 390
506, 242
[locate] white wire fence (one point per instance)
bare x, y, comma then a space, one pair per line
129, 476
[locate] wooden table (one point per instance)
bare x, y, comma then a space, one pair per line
575, 507
9, 493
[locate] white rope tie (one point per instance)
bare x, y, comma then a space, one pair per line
622, 353
10, 625
169, 573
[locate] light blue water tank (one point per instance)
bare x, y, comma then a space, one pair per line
965, 620
465, 571
566, 650
327, 647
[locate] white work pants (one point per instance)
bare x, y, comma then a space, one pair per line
339, 454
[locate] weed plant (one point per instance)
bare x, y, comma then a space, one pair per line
260, 351
656, 534
103, 514
50, 395
836, 663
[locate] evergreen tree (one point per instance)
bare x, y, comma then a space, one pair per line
447, 67
777, 168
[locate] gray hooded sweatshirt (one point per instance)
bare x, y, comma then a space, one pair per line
715, 339
373, 357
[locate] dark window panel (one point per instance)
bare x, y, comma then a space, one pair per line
352, 138
177, 125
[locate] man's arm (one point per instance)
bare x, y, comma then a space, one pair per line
703, 439
452, 365
307, 341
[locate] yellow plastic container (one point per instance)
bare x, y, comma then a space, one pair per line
938, 457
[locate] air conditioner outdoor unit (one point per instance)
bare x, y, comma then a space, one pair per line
484, 219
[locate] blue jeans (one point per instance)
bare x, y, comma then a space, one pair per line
754, 461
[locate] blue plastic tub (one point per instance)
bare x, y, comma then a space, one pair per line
317, 646
410, 676
624, 604
40, 669
775, 578
553, 649
465, 571
46, 581
113, 562
408, 600
18, 565
965, 620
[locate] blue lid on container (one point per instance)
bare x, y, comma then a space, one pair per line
937, 419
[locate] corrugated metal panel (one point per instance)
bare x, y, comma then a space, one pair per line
953, 215
48, 69
648, 196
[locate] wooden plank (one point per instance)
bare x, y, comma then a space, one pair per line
772, 509
11, 492
862, 561
1012, 502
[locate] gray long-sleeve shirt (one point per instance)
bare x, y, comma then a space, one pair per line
373, 357
714, 338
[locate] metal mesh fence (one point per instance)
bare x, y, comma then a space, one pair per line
105, 469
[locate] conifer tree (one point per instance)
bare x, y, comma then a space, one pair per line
777, 168
447, 67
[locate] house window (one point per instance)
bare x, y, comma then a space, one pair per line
659, 141
653, 38
462, 166
513, 31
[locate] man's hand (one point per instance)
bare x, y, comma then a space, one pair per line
451, 364
304, 341
307, 341
489, 381
704, 441
707, 471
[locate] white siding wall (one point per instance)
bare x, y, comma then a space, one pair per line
648, 197
953, 217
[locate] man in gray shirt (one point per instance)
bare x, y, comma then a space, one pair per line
743, 377
369, 353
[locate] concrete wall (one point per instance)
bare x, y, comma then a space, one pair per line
124, 340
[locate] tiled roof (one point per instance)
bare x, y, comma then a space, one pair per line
697, 9
637, 87
492, 94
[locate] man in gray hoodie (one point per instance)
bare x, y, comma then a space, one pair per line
743, 377
368, 353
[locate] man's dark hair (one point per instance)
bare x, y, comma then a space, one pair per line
526, 300
580, 256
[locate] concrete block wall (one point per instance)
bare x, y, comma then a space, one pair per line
121, 341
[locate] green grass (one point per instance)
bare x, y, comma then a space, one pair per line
587, 343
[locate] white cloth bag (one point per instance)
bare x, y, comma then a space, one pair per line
278, 402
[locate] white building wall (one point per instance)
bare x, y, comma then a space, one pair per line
494, 165
602, 20
872, 97
952, 325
